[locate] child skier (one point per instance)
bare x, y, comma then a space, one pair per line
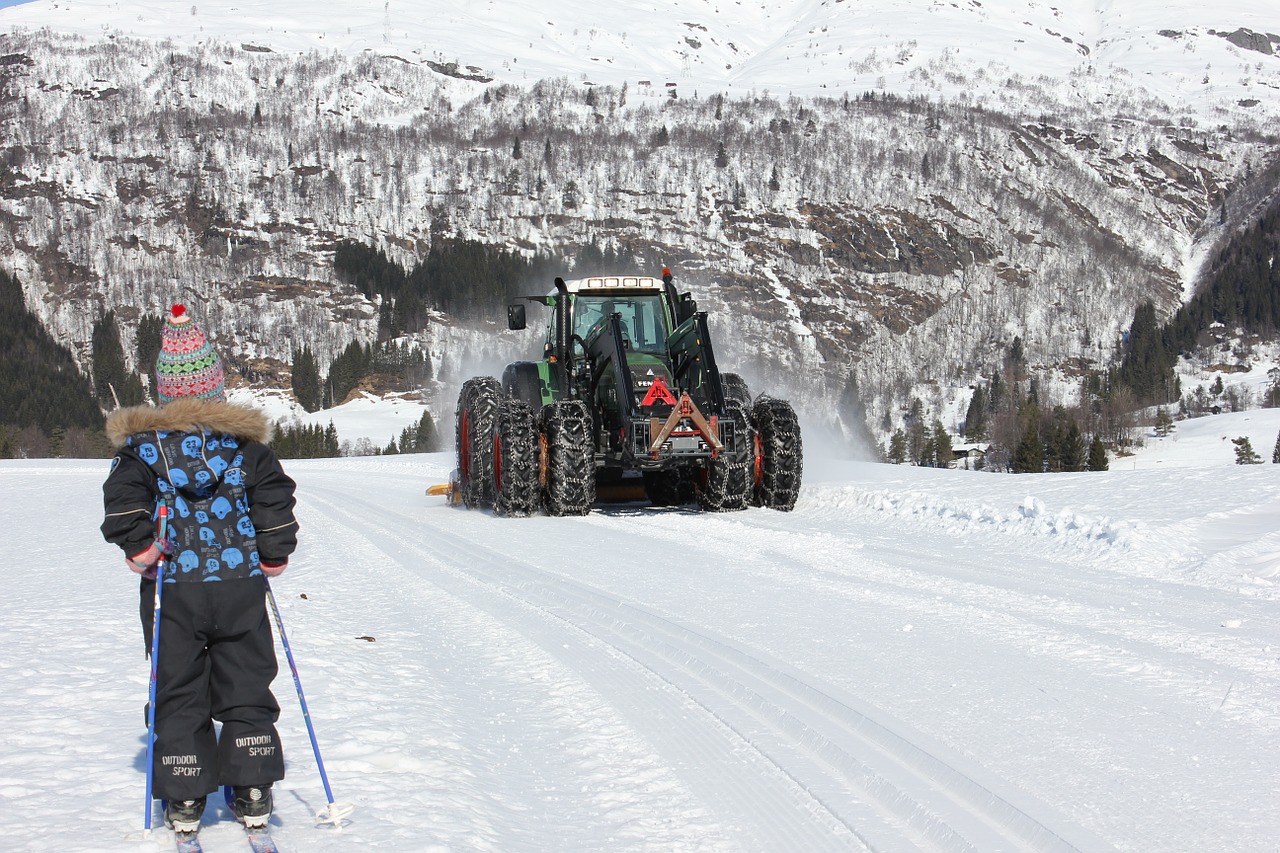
230, 508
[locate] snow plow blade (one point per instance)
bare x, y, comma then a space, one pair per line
448, 490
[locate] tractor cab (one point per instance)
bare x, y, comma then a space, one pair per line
637, 300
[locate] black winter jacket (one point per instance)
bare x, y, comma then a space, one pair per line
230, 502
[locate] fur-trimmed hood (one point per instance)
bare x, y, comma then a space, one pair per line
190, 414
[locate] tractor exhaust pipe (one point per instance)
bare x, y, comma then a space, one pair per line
564, 334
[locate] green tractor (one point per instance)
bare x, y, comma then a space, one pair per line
627, 400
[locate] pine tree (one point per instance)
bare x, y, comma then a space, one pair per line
426, 439
147, 348
928, 457
943, 454
1017, 357
1053, 447
570, 197
1029, 456
387, 324
1275, 454
306, 380
1245, 454
331, 441
975, 419
897, 447
722, 157
1147, 367
131, 392
1164, 422
1072, 455
917, 432
996, 393
107, 359
57, 440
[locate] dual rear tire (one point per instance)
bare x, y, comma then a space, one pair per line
514, 463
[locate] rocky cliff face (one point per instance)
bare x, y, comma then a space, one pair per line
903, 241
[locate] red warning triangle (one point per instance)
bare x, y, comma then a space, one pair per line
658, 391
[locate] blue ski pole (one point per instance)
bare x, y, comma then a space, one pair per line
162, 530
335, 812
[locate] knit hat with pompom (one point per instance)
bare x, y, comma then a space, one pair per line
187, 365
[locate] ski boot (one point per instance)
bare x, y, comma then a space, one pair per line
251, 804
183, 815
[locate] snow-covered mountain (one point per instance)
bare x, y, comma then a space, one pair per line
904, 188
1201, 59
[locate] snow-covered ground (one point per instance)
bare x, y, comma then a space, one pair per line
912, 660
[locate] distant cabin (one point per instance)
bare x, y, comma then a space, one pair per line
968, 457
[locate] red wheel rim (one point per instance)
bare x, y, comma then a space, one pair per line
497, 461
464, 448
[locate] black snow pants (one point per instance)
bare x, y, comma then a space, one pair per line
217, 661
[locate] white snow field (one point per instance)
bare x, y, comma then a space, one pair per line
912, 660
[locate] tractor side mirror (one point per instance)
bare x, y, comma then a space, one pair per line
515, 317
688, 306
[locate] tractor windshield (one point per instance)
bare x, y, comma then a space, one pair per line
644, 320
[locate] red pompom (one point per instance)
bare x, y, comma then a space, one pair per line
179, 310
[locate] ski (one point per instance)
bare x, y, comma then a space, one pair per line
260, 840
259, 837
187, 842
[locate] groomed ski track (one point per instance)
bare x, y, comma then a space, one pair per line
775, 757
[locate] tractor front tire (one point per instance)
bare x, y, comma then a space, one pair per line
570, 479
520, 380
725, 484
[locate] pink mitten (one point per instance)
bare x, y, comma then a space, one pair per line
274, 571
144, 563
